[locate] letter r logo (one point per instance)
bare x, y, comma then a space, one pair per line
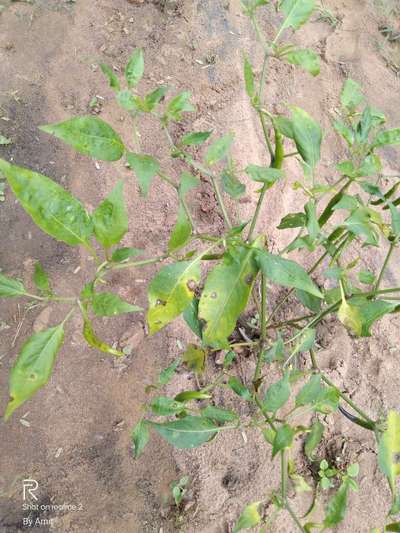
29, 486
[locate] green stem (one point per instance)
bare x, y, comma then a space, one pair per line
168, 180
132, 264
384, 266
263, 334
64, 299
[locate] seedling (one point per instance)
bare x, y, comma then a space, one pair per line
241, 269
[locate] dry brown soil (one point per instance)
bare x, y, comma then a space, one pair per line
74, 435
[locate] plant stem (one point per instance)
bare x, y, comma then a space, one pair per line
138, 263
168, 180
384, 266
263, 334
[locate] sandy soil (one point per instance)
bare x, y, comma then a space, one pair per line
77, 443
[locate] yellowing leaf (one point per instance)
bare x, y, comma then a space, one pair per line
171, 291
389, 448
195, 358
226, 293
349, 316
250, 517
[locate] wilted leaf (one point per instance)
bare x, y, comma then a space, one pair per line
122, 254
293, 220
92, 339
218, 414
232, 185
237, 386
336, 508
387, 137
191, 317
248, 77
164, 406
167, 373
266, 175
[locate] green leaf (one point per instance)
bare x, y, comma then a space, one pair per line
309, 300
134, 69
195, 358
389, 450
387, 137
306, 341
297, 12
266, 175
140, 437
283, 439
188, 395
153, 98
4, 141
110, 218
249, 77
89, 136
313, 439
293, 220
277, 394
128, 101
110, 304
286, 272
232, 185
91, 338
51, 207
178, 105
285, 126
111, 76
164, 406
359, 317
394, 526
276, 352
167, 373
336, 508
219, 149
367, 277
225, 295
34, 365
249, 518
237, 386
191, 317
395, 214
218, 414
182, 231
351, 95
187, 432
122, 254
305, 58
312, 219
41, 279
307, 136
145, 168
10, 288
310, 392
195, 138
170, 292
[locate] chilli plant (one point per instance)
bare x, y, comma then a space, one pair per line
340, 220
